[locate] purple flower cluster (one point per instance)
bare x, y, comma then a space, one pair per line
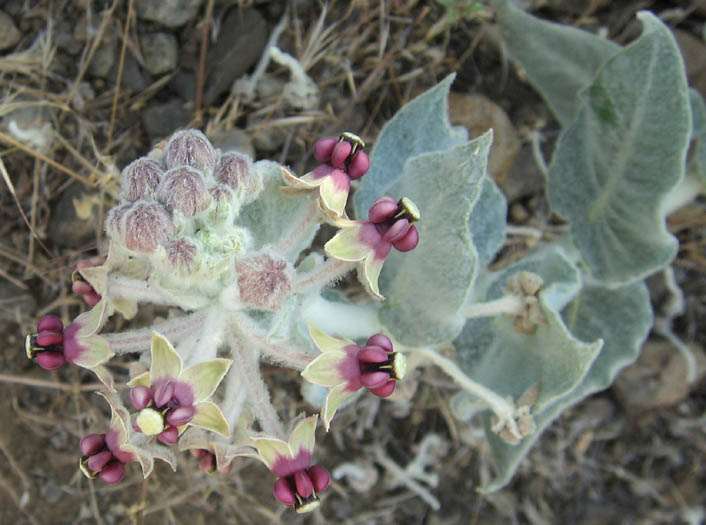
53, 345
390, 224
299, 488
103, 457
170, 400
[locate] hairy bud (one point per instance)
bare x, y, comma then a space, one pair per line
147, 226
264, 279
237, 171
184, 189
181, 254
225, 204
141, 178
190, 148
115, 223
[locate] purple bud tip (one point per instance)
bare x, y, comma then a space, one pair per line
169, 436
382, 341
113, 472
305, 487
163, 393
398, 230
409, 241
147, 226
374, 379
92, 298
324, 148
51, 323
51, 360
385, 390
284, 493
99, 460
382, 209
49, 338
359, 165
140, 397
319, 477
190, 148
372, 354
340, 153
81, 287
92, 443
141, 178
207, 463
181, 415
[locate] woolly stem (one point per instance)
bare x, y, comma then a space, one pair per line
123, 288
503, 409
140, 340
288, 356
327, 273
300, 229
350, 320
210, 336
508, 304
258, 395
234, 397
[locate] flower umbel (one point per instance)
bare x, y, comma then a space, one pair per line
345, 368
390, 223
341, 161
170, 397
299, 481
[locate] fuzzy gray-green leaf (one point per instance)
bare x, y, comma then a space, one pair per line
697, 158
487, 222
426, 288
419, 127
626, 149
622, 317
559, 60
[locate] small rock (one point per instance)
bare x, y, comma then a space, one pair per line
524, 178
241, 40
693, 51
161, 51
9, 34
133, 78
68, 229
184, 84
104, 59
65, 40
161, 120
170, 13
234, 139
658, 378
477, 114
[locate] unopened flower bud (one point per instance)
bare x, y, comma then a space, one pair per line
147, 226
115, 223
181, 254
141, 178
264, 280
225, 204
237, 171
184, 189
190, 148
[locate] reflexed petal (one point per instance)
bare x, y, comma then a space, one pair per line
307, 182
334, 192
210, 417
304, 435
141, 380
94, 351
104, 376
271, 449
120, 417
166, 454
324, 370
165, 360
346, 245
327, 343
372, 266
146, 460
335, 397
92, 321
205, 377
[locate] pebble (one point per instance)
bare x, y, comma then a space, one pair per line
66, 228
161, 120
234, 139
160, 51
524, 178
169, 13
9, 34
241, 40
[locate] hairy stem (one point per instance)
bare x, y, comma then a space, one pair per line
288, 356
257, 393
123, 288
508, 304
210, 336
350, 320
307, 224
503, 409
327, 273
234, 397
140, 340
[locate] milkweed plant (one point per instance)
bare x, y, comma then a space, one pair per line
227, 244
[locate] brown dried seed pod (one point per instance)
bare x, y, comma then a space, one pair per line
140, 179
237, 171
190, 148
147, 226
264, 280
184, 189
